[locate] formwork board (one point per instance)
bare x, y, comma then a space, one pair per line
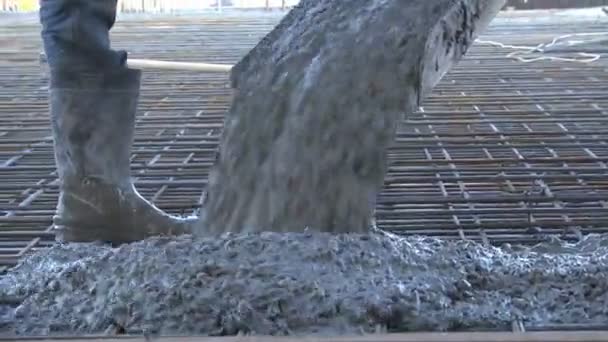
557, 336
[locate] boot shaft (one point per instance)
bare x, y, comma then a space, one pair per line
93, 117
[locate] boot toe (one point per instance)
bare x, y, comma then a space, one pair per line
181, 226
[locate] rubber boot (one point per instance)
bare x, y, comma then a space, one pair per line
93, 118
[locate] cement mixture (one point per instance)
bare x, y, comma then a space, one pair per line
317, 104
301, 283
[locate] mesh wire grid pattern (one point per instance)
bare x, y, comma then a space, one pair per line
501, 152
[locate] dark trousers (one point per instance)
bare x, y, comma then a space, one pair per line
75, 34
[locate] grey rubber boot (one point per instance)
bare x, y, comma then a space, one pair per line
93, 117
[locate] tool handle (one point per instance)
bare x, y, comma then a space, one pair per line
185, 66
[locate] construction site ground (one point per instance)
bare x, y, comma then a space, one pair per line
502, 152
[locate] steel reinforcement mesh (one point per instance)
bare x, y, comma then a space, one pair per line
502, 151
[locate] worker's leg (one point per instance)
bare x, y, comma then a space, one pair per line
93, 100
76, 34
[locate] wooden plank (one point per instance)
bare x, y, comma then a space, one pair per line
553, 336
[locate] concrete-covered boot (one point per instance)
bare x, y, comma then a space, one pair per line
93, 116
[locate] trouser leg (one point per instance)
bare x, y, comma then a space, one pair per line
75, 34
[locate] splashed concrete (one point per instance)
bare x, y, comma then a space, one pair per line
272, 283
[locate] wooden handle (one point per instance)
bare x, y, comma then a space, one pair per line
185, 66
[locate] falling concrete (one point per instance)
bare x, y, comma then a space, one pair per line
292, 283
317, 104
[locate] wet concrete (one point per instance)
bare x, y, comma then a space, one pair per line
317, 104
292, 283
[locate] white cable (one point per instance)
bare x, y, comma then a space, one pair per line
542, 48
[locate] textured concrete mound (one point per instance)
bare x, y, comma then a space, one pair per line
302, 284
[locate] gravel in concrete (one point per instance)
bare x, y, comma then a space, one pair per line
291, 283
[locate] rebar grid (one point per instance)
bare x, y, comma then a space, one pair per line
501, 152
